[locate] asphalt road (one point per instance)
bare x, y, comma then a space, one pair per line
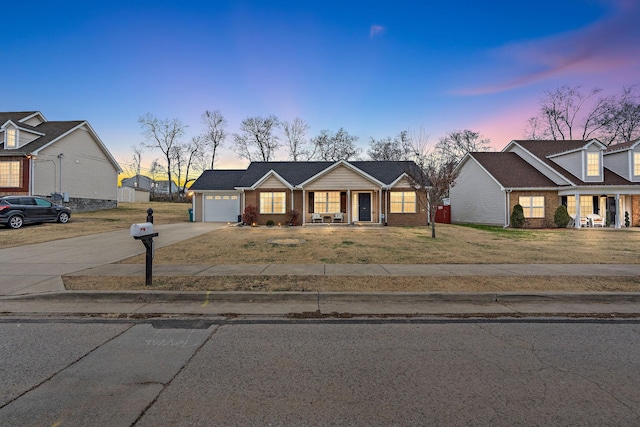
278, 371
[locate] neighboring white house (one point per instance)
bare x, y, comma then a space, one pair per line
63, 159
597, 184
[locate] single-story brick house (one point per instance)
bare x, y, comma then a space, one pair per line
348, 192
589, 178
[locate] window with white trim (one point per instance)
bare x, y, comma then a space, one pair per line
586, 205
593, 164
272, 202
326, 202
10, 174
403, 201
12, 138
533, 206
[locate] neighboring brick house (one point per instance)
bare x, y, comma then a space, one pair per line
587, 177
347, 192
65, 159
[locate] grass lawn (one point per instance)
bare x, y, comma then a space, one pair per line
83, 223
344, 244
403, 245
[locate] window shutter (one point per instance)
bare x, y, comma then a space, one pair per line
311, 204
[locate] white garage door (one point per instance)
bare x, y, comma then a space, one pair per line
223, 207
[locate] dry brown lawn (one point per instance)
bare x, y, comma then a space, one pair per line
359, 284
403, 245
83, 223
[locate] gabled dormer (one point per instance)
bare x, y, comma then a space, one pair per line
624, 159
15, 136
585, 162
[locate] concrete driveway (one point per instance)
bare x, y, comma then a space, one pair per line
38, 268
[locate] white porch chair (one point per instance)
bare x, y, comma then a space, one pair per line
596, 220
584, 221
337, 217
316, 217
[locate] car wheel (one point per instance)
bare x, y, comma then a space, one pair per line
63, 217
15, 221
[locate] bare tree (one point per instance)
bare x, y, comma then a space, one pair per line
625, 121
568, 113
396, 149
136, 163
431, 178
295, 136
186, 157
452, 147
333, 147
163, 135
215, 132
257, 140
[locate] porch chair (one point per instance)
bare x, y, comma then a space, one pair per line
584, 221
337, 217
596, 220
316, 217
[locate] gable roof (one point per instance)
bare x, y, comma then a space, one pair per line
545, 149
295, 173
621, 147
49, 132
511, 170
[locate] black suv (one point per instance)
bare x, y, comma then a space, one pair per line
18, 210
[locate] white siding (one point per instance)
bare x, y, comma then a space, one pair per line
403, 183
476, 197
25, 137
342, 178
573, 162
620, 163
535, 162
86, 170
33, 121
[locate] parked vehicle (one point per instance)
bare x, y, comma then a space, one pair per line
18, 210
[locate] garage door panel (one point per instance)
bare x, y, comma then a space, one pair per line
221, 207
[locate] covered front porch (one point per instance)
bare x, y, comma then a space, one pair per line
606, 209
350, 206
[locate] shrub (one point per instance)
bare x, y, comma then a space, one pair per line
517, 217
270, 223
561, 218
627, 222
250, 216
292, 217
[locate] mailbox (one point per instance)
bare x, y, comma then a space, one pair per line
142, 229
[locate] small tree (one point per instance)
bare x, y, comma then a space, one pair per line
292, 217
250, 215
517, 217
561, 218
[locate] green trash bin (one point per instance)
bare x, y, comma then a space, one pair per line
190, 214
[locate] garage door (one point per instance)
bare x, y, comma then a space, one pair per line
221, 207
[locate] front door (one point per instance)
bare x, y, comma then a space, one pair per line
364, 206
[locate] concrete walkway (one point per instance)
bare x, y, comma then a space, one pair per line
30, 282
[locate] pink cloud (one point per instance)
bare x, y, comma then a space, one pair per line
608, 46
375, 30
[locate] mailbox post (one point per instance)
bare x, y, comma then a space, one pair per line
144, 232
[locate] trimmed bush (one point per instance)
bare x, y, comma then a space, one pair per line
270, 223
561, 218
517, 217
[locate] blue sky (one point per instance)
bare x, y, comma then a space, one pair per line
374, 68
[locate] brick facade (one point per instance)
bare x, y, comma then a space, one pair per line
407, 219
551, 203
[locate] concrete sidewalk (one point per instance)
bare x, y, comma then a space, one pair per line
31, 282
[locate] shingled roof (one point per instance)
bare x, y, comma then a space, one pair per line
545, 149
511, 171
294, 173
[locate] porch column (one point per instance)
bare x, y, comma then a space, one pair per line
304, 206
617, 220
380, 206
578, 213
349, 220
